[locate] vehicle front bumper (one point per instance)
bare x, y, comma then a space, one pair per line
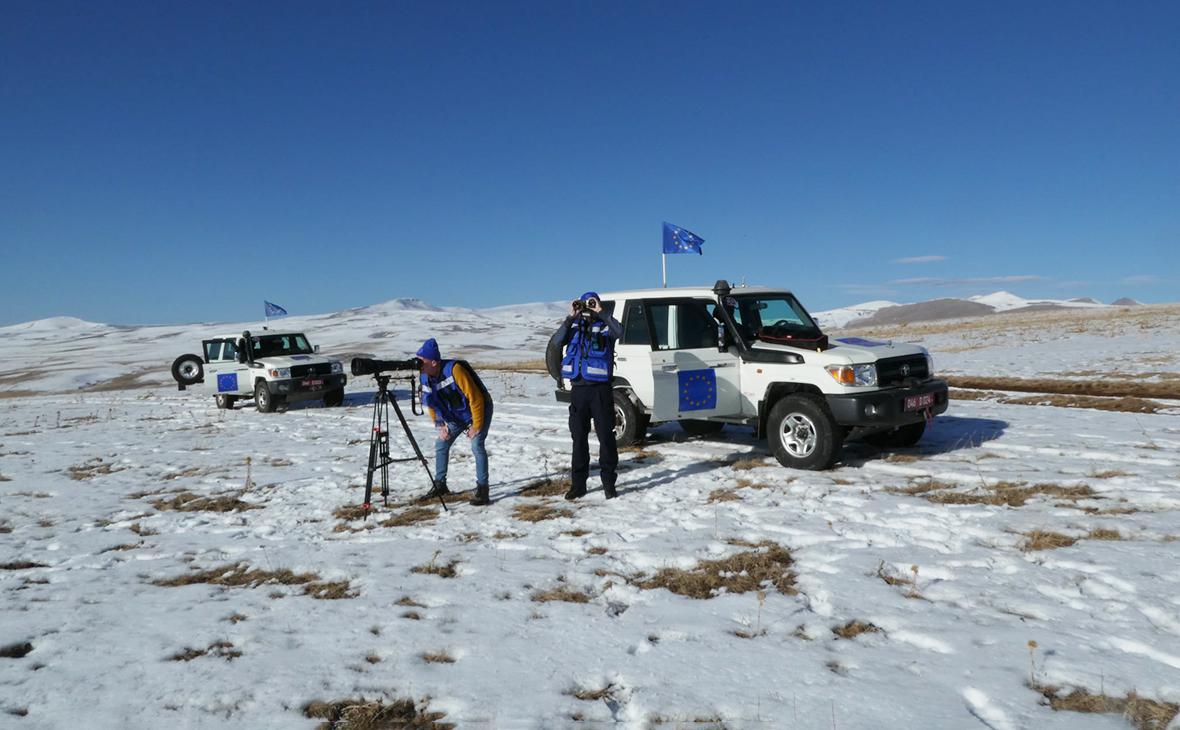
296, 389
886, 408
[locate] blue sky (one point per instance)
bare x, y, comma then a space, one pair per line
179, 162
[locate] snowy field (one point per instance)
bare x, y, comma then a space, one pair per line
164, 564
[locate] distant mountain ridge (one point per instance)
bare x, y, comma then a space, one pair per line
878, 313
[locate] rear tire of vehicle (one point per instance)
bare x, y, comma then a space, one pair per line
900, 437
694, 427
553, 360
262, 398
188, 369
802, 434
334, 398
225, 402
630, 424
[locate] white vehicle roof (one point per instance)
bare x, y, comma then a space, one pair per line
678, 292
259, 333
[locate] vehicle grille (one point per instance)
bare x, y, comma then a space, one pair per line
896, 370
304, 371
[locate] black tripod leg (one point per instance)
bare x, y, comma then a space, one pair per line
417, 451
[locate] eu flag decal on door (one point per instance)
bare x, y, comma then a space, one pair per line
698, 389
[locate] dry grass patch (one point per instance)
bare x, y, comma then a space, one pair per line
437, 657
1102, 533
189, 502
744, 483
524, 366
739, 573
501, 535
1109, 474
749, 463
241, 575
576, 533
21, 565
854, 628
91, 469
1045, 540
441, 570
411, 516
350, 512
142, 531
596, 551
192, 471
1092, 388
591, 695
409, 602
124, 546
902, 458
221, 649
561, 593
1007, 494
1143, 713
961, 394
539, 512
547, 487
362, 714
723, 495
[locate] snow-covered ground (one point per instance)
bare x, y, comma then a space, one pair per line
930, 546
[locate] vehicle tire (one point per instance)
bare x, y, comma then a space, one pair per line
899, 437
262, 398
553, 360
694, 427
630, 423
334, 398
225, 401
802, 434
188, 369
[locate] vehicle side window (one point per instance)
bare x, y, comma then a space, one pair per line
230, 352
635, 330
683, 325
212, 350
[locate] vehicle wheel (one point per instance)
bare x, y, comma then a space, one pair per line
225, 401
188, 369
899, 437
553, 360
802, 434
630, 425
262, 398
701, 428
334, 398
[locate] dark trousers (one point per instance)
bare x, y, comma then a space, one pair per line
593, 401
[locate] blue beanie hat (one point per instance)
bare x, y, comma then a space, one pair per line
590, 295
429, 350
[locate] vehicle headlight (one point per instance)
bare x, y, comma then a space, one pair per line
853, 374
337, 368
282, 373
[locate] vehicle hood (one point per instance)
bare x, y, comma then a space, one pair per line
849, 350
286, 361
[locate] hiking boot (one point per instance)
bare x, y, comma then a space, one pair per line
438, 490
481, 497
575, 493
610, 492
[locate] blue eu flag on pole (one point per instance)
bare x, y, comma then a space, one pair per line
679, 240
273, 310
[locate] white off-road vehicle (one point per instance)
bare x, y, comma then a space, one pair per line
753, 356
272, 368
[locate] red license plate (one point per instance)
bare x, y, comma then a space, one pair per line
919, 402
312, 383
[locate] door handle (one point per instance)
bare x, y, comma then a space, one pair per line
668, 368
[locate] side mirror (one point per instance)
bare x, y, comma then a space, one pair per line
315, 348
722, 338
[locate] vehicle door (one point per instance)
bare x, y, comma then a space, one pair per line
222, 368
692, 379
633, 351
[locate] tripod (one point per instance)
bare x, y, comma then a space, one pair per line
379, 459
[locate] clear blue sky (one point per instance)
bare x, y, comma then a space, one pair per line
180, 162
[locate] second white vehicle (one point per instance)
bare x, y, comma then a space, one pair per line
273, 368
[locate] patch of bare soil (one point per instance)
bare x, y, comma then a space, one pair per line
739, 573
362, 714
1143, 713
241, 575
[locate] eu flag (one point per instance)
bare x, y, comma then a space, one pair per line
273, 310
679, 240
698, 389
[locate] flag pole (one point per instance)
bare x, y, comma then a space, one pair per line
664, 267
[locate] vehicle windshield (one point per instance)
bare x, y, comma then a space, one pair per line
771, 317
272, 345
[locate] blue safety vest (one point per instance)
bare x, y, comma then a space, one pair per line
446, 398
590, 353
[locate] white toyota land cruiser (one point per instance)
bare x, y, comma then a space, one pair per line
271, 367
753, 356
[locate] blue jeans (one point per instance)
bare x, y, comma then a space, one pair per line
442, 451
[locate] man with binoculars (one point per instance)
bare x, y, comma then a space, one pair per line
589, 334
457, 402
